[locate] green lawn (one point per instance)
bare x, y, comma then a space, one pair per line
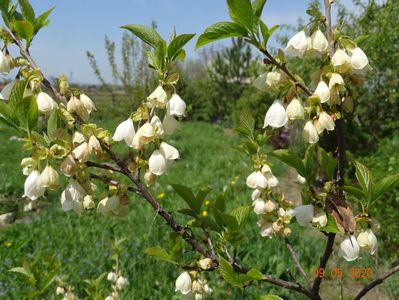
82, 244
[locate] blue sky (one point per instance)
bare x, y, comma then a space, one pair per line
80, 25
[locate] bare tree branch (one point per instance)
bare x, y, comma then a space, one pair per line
376, 282
296, 260
103, 166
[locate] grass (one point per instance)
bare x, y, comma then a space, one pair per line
82, 244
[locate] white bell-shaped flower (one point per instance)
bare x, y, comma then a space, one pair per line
28, 164
88, 202
295, 110
170, 152
273, 79
49, 178
309, 133
301, 179
170, 124
321, 219
125, 131
256, 194
341, 61
72, 197
256, 180
303, 214
266, 228
45, 104
183, 283
276, 116
298, 44
33, 188
336, 80
157, 126
322, 91
81, 152
4, 63
157, 163
176, 106
367, 239
69, 166
87, 103
143, 136
325, 122
359, 61
158, 98
76, 106
272, 180
121, 282
78, 138
349, 248
94, 145
319, 41
112, 276
108, 205
259, 206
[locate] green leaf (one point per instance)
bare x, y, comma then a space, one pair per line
327, 162
241, 12
201, 195
27, 11
177, 44
270, 297
24, 29
160, 56
291, 159
187, 212
230, 222
314, 12
228, 274
255, 274
220, 30
363, 176
17, 93
331, 226
27, 113
24, 272
147, 34
52, 123
241, 214
385, 185
6, 114
160, 253
188, 196
247, 123
42, 20
354, 191
257, 8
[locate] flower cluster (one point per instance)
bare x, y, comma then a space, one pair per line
118, 283
350, 247
190, 285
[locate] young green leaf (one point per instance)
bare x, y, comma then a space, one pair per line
291, 159
42, 20
257, 8
270, 297
220, 30
27, 113
241, 214
241, 13
229, 275
363, 176
147, 34
27, 11
177, 44
160, 253
188, 196
24, 29
255, 274
385, 185
354, 191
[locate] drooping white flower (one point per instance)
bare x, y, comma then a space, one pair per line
298, 44
87, 103
266, 229
359, 60
183, 283
49, 178
59, 290
295, 110
28, 164
349, 248
157, 163
272, 180
176, 106
301, 179
112, 276
88, 202
72, 197
109, 298
321, 219
325, 122
157, 126
69, 166
78, 138
33, 188
205, 263
121, 282
81, 152
143, 136
4, 63
367, 239
45, 104
309, 133
341, 61
170, 152
319, 41
76, 106
273, 78
170, 124
276, 116
158, 97
149, 178
94, 145
336, 80
303, 214
322, 91
256, 180
108, 205
125, 131
259, 206
256, 194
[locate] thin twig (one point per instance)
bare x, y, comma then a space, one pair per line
376, 282
103, 166
110, 181
296, 260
